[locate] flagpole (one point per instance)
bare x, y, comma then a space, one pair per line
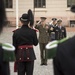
17, 15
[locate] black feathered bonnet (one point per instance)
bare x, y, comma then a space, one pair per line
73, 8
3, 18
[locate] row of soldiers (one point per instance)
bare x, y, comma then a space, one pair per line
47, 33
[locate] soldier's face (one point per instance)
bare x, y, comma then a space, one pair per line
54, 22
59, 23
43, 22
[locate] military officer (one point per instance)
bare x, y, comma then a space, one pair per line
51, 28
60, 31
43, 39
23, 39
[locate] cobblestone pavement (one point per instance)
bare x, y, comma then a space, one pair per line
6, 36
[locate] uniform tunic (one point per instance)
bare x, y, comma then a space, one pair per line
25, 37
43, 40
4, 65
65, 58
60, 33
51, 32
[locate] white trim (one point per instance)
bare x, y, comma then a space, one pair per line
50, 46
10, 9
11, 48
40, 10
68, 9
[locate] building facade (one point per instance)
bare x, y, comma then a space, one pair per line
47, 8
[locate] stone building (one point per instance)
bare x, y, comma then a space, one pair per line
47, 8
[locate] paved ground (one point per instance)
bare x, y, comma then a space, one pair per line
38, 70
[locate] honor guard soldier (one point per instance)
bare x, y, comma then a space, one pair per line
43, 39
51, 28
23, 39
4, 65
60, 31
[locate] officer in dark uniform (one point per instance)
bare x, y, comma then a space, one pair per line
23, 39
60, 31
51, 28
43, 39
4, 65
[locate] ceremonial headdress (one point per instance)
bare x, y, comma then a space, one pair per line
73, 8
2, 15
43, 18
54, 19
28, 17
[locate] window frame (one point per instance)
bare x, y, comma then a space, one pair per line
9, 7
39, 4
69, 3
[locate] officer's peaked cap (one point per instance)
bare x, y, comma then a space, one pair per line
43, 18
59, 20
54, 19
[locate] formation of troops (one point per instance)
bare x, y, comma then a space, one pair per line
47, 33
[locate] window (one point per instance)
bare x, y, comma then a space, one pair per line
70, 3
8, 3
39, 3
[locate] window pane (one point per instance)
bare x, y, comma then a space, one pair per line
70, 3
44, 3
8, 3
39, 3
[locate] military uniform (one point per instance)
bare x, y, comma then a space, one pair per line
23, 40
51, 28
51, 32
4, 65
43, 40
64, 63
60, 32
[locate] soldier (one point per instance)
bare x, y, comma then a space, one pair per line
43, 39
4, 65
65, 56
23, 39
51, 28
60, 31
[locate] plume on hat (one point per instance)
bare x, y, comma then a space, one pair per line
2, 15
30, 17
73, 8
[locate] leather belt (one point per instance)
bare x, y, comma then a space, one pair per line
25, 46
